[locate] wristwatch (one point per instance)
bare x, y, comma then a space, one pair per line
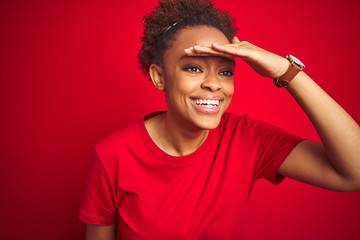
295, 67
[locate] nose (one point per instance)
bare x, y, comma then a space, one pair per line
211, 82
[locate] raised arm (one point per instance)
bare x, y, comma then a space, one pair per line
333, 165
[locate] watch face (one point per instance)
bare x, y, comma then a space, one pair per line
296, 61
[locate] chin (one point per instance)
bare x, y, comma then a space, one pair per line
208, 123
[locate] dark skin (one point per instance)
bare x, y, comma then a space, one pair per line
182, 129
333, 165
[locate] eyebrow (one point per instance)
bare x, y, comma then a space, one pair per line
223, 59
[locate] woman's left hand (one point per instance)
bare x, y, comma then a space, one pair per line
265, 63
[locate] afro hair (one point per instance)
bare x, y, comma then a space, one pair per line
166, 19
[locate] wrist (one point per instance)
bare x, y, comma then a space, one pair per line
294, 67
284, 66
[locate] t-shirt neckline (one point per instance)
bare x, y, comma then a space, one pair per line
163, 155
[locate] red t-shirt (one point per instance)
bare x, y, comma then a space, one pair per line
203, 195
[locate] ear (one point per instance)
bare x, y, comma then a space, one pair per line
157, 76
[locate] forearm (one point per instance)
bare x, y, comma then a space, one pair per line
339, 133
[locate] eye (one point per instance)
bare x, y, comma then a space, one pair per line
227, 73
193, 69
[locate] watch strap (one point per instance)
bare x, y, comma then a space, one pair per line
289, 75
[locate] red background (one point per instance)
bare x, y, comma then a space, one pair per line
69, 77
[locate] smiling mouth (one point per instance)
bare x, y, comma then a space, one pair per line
206, 102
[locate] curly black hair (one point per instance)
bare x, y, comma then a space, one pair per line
169, 17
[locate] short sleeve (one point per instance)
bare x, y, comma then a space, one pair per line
97, 205
274, 145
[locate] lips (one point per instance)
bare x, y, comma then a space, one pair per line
208, 104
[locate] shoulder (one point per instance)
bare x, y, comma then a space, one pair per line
116, 142
246, 126
116, 149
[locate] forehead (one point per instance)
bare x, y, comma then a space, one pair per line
196, 36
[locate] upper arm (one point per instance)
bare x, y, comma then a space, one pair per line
100, 232
309, 163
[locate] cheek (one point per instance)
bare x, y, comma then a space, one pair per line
182, 84
229, 88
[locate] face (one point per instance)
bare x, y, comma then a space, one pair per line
198, 89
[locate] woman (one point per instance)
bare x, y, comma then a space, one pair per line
187, 173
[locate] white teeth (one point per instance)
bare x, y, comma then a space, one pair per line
206, 103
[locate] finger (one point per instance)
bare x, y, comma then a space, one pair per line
235, 40
210, 55
239, 49
211, 51
196, 52
189, 51
201, 50
206, 53
226, 48
198, 49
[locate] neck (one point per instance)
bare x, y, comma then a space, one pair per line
173, 137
